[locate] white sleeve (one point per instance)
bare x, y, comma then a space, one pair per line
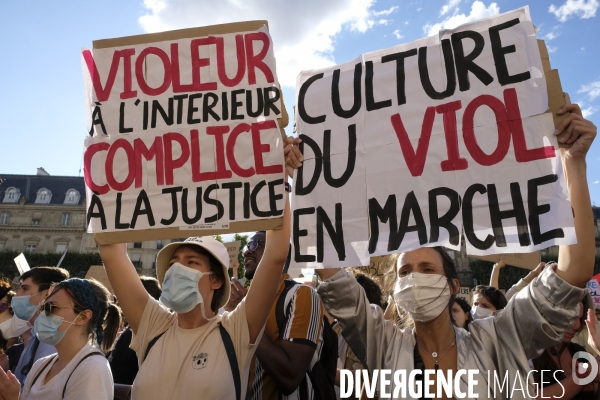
91, 380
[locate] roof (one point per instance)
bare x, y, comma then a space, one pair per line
29, 185
596, 211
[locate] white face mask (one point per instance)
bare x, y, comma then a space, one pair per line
422, 296
14, 327
479, 312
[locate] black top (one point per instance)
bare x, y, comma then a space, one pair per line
123, 361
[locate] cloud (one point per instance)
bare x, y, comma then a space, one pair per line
582, 8
452, 4
592, 90
553, 34
551, 49
303, 32
586, 109
398, 34
596, 182
478, 11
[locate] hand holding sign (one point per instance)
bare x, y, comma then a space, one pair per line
575, 130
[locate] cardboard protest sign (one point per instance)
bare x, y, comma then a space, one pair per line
98, 273
379, 268
409, 146
522, 260
233, 249
184, 134
22, 264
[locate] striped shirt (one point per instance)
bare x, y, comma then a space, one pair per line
304, 324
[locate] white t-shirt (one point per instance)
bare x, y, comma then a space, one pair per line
190, 363
91, 380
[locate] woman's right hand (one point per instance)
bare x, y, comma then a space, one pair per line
10, 388
593, 339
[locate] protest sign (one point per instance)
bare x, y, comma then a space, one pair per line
184, 134
594, 289
22, 264
233, 249
521, 260
465, 294
409, 146
98, 272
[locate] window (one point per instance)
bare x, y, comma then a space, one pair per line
43, 196
72, 197
60, 248
12, 195
66, 219
135, 259
1, 246
137, 245
31, 248
4, 218
37, 218
159, 244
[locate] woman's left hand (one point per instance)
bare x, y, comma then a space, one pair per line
293, 156
576, 131
10, 388
593, 339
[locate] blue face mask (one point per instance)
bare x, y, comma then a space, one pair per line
180, 289
46, 328
23, 308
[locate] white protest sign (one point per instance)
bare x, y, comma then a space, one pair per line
183, 132
594, 290
464, 293
407, 147
233, 249
22, 264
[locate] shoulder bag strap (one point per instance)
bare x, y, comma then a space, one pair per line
42, 370
27, 367
235, 371
152, 343
96, 353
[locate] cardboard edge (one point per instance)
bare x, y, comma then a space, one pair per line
221, 29
494, 258
170, 233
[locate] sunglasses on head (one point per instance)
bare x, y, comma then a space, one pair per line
253, 244
487, 289
47, 308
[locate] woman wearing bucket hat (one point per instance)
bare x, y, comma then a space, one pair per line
191, 350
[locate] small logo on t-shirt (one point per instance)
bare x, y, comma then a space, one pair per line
199, 361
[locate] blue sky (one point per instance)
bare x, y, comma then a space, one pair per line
42, 116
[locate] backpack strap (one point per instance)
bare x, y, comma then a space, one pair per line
27, 367
235, 371
96, 353
42, 370
152, 343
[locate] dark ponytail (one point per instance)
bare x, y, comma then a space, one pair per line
105, 328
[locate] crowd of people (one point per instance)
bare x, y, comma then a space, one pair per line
194, 332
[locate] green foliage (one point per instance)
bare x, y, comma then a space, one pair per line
76, 263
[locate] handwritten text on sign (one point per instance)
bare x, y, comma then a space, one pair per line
183, 133
408, 146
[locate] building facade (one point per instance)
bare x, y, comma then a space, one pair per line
47, 214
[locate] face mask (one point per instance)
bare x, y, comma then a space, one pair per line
3, 307
422, 296
14, 327
23, 308
180, 289
479, 312
46, 328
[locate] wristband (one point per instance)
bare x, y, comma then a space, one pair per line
288, 187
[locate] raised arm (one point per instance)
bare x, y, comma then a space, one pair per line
266, 279
576, 262
496, 274
125, 281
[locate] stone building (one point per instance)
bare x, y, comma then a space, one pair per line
43, 213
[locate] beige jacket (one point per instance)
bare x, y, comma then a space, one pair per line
535, 318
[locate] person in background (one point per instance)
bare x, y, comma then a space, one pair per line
516, 288
79, 318
35, 285
461, 313
123, 360
558, 379
487, 301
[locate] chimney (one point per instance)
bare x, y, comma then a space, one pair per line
41, 171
